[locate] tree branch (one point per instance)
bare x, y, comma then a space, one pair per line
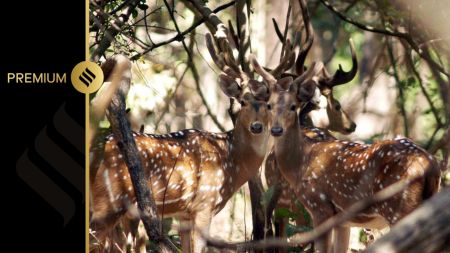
198, 88
169, 98
114, 29
410, 61
405, 36
426, 230
194, 69
180, 36
127, 146
401, 98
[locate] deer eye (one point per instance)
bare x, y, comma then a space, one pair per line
269, 107
337, 107
292, 108
243, 103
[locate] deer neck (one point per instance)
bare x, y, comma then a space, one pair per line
290, 152
247, 152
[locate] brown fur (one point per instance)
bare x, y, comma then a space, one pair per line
331, 175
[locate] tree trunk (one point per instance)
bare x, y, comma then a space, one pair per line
127, 146
426, 230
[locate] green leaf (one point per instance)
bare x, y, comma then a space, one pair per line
283, 212
134, 13
411, 81
142, 6
304, 212
363, 236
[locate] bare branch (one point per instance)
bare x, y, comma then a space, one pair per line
169, 98
401, 99
200, 92
405, 36
180, 36
193, 68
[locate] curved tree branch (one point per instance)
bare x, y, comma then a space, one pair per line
406, 36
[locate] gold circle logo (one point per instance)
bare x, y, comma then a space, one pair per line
87, 77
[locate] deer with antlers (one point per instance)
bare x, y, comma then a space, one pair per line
329, 176
336, 119
192, 173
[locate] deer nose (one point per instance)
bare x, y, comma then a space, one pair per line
256, 127
352, 128
276, 131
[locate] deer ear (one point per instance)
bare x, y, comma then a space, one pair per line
229, 86
259, 90
306, 91
284, 83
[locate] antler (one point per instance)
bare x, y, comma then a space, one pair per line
225, 57
268, 77
312, 71
315, 68
341, 76
287, 60
299, 63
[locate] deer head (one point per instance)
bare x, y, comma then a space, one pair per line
339, 120
288, 92
251, 95
336, 118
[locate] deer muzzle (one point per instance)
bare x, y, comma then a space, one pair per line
256, 127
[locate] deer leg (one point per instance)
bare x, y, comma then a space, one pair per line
141, 239
185, 235
323, 244
341, 239
99, 234
283, 226
280, 230
202, 221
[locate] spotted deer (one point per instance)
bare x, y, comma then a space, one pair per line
336, 119
192, 173
329, 176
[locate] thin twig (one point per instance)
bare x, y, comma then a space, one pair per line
169, 98
198, 88
180, 36
401, 99
193, 69
405, 36
114, 29
439, 123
